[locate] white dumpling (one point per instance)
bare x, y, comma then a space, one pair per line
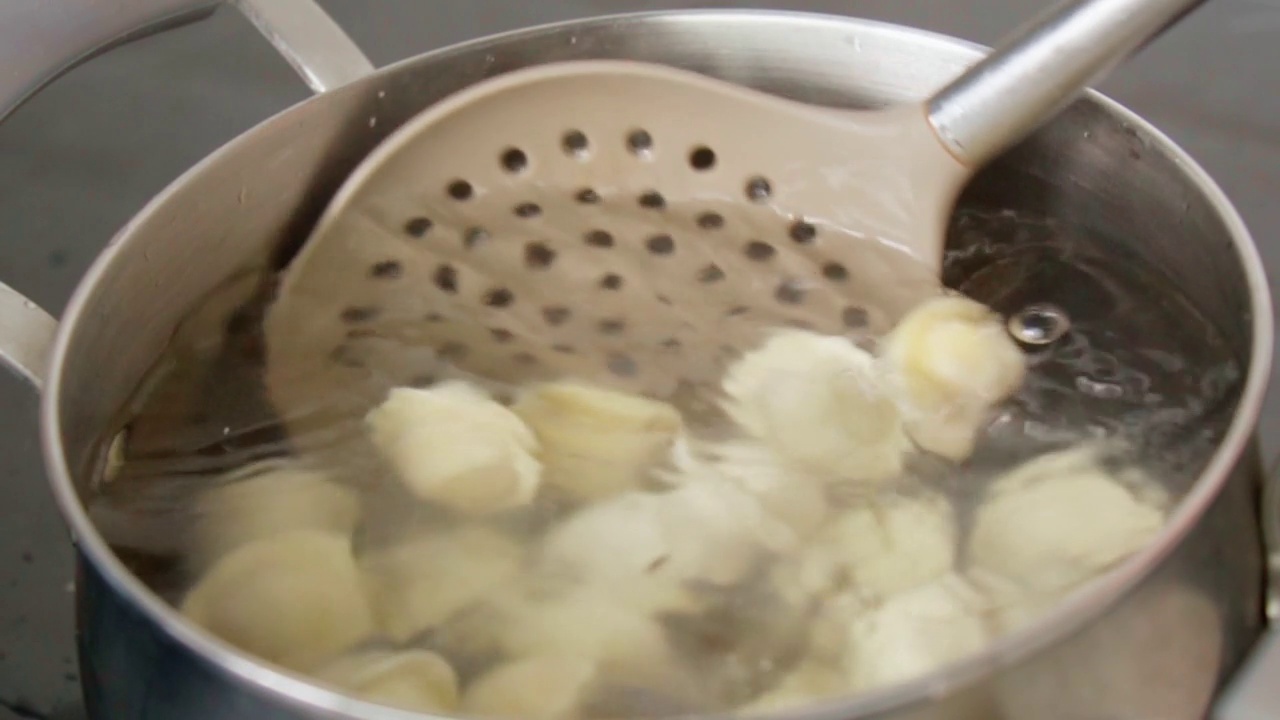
809, 682
268, 499
887, 546
915, 632
793, 497
409, 679
588, 623
950, 361
454, 445
1012, 605
546, 687
818, 401
293, 599
597, 442
420, 583
651, 544
1062, 518
829, 623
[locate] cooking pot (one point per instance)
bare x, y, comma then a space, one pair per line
1156, 639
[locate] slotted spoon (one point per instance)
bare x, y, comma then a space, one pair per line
637, 225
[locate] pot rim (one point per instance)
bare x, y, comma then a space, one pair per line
1069, 616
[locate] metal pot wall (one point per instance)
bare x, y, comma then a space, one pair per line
1157, 638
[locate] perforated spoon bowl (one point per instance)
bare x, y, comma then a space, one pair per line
636, 225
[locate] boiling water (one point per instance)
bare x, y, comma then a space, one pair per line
1137, 363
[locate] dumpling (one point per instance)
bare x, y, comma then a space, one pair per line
915, 632
293, 599
587, 623
411, 679
788, 494
1061, 518
545, 687
652, 544
454, 445
818, 401
742, 642
1011, 606
418, 584
885, 547
597, 442
950, 361
268, 499
809, 682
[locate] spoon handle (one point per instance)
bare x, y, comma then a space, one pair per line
1040, 69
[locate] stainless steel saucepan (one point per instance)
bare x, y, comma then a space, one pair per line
1158, 639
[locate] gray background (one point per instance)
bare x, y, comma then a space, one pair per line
85, 154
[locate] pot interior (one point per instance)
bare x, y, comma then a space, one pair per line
1096, 217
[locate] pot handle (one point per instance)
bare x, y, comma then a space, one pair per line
41, 39
1254, 692
26, 336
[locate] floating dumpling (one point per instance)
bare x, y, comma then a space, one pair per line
410, 679
597, 442
454, 445
294, 599
950, 361
1062, 518
267, 499
885, 547
545, 687
418, 584
915, 632
818, 401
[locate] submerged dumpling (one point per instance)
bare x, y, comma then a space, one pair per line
915, 632
268, 499
649, 545
588, 623
454, 445
880, 549
794, 498
294, 599
597, 442
1011, 605
545, 687
1062, 518
418, 584
818, 401
410, 679
809, 682
950, 361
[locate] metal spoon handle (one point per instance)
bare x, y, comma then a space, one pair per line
1041, 68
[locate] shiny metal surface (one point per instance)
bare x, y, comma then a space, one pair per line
42, 40
1254, 694
1039, 71
309, 39
1106, 654
26, 335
